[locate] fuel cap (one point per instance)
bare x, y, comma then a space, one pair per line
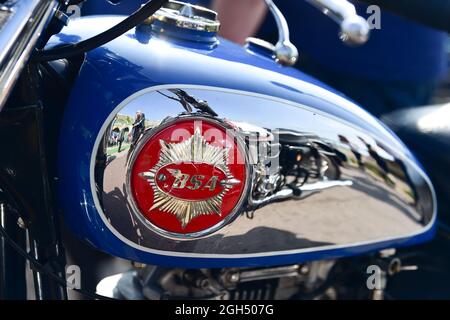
187, 16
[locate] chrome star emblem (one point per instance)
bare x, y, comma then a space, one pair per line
191, 178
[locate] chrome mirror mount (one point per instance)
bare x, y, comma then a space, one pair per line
285, 51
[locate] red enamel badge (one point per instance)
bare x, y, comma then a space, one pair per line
189, 177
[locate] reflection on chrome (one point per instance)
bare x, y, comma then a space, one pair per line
316, 181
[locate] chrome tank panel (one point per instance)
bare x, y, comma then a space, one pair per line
364, 190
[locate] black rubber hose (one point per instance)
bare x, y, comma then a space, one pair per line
84, 46
432, 13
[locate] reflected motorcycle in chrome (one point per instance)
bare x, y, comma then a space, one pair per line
217, 170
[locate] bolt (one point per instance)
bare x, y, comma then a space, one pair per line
138, 265
395, 266
304, 269
233, 277
377, 295
203, 283
21, 223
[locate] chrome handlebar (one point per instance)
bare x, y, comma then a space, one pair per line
354, 28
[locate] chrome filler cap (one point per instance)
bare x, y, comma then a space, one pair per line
187, 16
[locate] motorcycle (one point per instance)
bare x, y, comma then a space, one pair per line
218, 170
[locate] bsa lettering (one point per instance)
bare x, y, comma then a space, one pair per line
196, 181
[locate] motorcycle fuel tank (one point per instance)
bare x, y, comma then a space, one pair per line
180, 148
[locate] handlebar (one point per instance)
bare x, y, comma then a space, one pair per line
354, 28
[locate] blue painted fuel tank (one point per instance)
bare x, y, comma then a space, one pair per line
130, 72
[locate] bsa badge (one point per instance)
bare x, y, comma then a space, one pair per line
189, 177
